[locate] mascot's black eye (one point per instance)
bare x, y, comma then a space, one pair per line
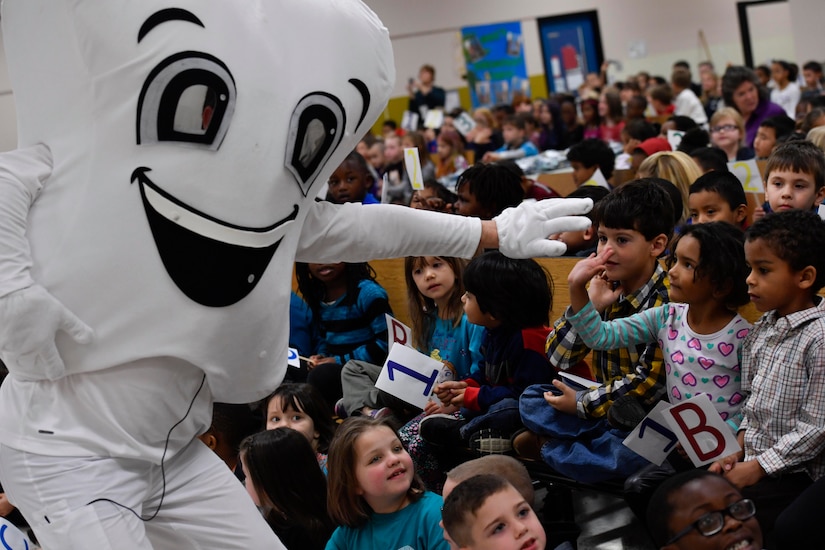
315, 130
188, 98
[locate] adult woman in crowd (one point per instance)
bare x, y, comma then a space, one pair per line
742, 90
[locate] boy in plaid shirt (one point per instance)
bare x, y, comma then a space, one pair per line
568, 429
782, 433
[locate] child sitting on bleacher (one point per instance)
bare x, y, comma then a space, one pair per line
351, 182
486, 512
511, 299
568, 431
587, 157
772, 131
794, 179
718, 196
485, 190
516, 142
782, 433
349, 307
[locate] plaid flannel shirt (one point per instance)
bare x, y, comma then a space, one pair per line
783, 378
635, 369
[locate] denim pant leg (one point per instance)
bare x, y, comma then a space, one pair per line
502, 416
539, 417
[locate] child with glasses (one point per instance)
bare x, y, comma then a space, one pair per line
699, 510
727, 132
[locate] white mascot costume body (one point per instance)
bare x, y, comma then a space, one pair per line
169, 156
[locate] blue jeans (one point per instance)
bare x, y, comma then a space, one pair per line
502, 416
587, 450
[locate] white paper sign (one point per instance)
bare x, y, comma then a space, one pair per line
598, 179
409, 375
674, 138
464, 123
701, 431
413, 164
653, 438
434, 119
398, 332
747, 171
409, 121
292, 358
577, 382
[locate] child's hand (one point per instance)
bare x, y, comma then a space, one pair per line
566, 402
444, 390
758, 213
458, 396
434, 407
586, 269
745, 474
726, 464
316, 360
489, 156
603, 293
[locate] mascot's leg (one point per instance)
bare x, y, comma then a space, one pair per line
202, 503
204, 506
53, 493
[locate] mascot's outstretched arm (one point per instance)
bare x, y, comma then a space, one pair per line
29, 315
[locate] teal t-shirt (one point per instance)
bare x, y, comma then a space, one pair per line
459, 345
414, 527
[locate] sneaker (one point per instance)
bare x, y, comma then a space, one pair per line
340, 411
441, 430
528, 444
490, 442
626, 412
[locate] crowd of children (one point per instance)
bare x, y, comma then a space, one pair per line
669, 261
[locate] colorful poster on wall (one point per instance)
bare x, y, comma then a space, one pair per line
494, 55
571, 45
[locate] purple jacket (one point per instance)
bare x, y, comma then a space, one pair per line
764, 110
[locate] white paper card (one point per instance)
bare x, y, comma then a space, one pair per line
701, 431
577, 382
747, 171
674, 138
652, 438
409, 375
464, 123
598, 179
435, 119
292, 358
821, 211
409, 121
399, 333
413, 164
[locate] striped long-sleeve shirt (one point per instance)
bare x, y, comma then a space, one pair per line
355, 327
634, 369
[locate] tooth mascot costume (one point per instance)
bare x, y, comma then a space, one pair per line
169, 154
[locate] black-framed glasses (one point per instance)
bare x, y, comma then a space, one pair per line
723, 128
713, 522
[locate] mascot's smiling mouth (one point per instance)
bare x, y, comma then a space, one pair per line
213, 262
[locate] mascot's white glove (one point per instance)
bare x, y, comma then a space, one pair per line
29, 316
523, 230
29, 320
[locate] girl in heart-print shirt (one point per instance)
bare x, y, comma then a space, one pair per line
699, 332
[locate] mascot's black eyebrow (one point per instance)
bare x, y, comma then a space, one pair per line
162, 16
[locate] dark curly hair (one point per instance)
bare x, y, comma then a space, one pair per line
519, 293
721, 258
796, 237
